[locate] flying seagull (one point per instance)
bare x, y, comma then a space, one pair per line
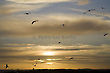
34, 64
38, 59
71, 58
102, 8
63, 25
6, 66
33, 69
59, 42
34, 21
106, 34
27, 13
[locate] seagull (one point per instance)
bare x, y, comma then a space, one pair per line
34, 21
6, 66
71, 58
63, 25
27, 13
34, 64
59, 42
102, 8
38, 59
106, 34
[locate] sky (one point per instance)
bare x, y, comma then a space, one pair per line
23, 44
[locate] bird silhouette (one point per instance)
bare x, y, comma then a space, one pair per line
106, 34
102, 8
33, 69
71, 58
34, 21
38, 59
6, 66
34, 64
59, 42
63, 25
27, 13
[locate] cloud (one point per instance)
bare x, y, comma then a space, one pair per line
54, 27
83, 2
79, 2
8, 8
37, 1
77, 49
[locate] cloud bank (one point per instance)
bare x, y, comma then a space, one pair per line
54, 27
37, 1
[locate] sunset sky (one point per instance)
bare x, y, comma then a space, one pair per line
82, 37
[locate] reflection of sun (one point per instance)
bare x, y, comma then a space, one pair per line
49, 53
49, 63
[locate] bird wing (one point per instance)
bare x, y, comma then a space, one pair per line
33, 22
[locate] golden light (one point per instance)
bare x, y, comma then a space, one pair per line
53, 59
49, 63
49, 53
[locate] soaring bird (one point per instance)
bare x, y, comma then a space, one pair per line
27, 13
34, 21
38, 59
6, 66
59, 42
63, 25
89, 10
102, 8
71, 58
105, 34
34, 64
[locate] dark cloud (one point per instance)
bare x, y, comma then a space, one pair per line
81, 26
77, 49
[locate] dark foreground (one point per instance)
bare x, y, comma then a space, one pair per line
57, 71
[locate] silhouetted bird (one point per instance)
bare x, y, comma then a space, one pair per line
27, 13
38, 59
34, 21
34, 64
71, 58
106, 34
63, 25
102, 8
59, 42
33, 68
89, 10
6, 66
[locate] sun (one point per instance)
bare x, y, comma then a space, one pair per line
49, 53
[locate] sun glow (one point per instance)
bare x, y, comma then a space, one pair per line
49, 63
49, 53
